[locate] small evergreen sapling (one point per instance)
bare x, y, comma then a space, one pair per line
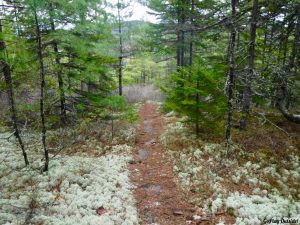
196, 92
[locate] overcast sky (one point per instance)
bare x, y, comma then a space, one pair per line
139, 11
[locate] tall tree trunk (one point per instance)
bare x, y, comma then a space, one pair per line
238, 42
180, 48
297, 63
120, 69
231, 72
69, 71
247, 93
2, 43
16, 18
58, 73
42, 89
283, 92
191, 57
295, 48
192, 32
198, 110
264, 46
180, 34
10, 92
286, 41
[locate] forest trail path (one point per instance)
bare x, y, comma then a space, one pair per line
159, 198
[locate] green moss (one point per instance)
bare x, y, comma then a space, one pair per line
231, 211
266, 155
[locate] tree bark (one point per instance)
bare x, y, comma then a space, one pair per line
289, 116
265, 46
11, 96
120, 69
59, 76
180, 48
197, 109
42, 90
286, 41
14, 118
231, 72
192, 32
191, 57
296, 42
2, 43
16, 18
180, 34
247, 93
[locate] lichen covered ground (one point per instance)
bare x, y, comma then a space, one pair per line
230, 185
76, 190
89, 181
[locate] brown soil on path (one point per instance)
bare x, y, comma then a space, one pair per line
159, 198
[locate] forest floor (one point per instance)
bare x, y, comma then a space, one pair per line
155, 173
183, 179
160, 199
255, 180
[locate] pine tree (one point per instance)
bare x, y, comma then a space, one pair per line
231, 73
247, 92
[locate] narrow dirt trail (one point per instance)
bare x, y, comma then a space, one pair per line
159, 198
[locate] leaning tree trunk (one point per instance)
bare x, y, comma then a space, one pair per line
230, 76
283, 92
59, 76
289, 116
247, 93
42, 89
10, 91
14, 118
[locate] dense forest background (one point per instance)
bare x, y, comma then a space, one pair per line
62, 59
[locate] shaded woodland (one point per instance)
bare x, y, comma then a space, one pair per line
77, 77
